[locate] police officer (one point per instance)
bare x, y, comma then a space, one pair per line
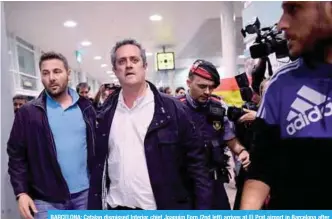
210, 118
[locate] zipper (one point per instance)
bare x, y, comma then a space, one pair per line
55, 153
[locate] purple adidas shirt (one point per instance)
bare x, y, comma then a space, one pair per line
298, 99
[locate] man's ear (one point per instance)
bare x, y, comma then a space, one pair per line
145, 66
69, 72
189, 83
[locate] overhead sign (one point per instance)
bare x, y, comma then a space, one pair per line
78, 55
165, 61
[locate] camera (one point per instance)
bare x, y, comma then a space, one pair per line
234, 113
269, 40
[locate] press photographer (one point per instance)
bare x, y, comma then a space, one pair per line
269, 40
243, 117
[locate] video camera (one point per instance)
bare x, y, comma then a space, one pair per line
269, 40
234, 113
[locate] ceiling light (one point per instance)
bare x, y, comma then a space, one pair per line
241, 56
103, 65
86, 43
109, 72
70, 24
112, 76
156, 17
148, 54
97, 58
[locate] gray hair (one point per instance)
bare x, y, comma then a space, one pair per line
127, 42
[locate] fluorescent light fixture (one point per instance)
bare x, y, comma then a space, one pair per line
97, 58
112, 76
70, 23
86, 43
156, 17
103, 65
148, 53
241, 56
109, 72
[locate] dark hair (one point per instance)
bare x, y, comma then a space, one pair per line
127, 42
82, 85
53, 55
161, 89
178, 89
20, 97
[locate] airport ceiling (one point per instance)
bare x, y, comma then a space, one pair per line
184, 29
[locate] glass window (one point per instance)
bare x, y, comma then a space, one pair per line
28, 83
26, 61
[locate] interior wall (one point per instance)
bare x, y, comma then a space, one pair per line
8, 202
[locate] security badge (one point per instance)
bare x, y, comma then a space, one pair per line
217, 125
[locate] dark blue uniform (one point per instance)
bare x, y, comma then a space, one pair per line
215, 132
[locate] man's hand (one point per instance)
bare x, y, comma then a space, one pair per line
244, 157
248, 117
25, 203
240, 151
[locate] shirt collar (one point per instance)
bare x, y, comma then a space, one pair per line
140, 101
74, 95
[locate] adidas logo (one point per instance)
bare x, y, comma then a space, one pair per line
309, 107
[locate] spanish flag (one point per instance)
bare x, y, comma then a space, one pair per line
229, 91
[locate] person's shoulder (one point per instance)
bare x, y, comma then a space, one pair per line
174, 101
181, 98
109, 104
215, 99
169, 99
283, 75
31, 105
87, 106
286, 72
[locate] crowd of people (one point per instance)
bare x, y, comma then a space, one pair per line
138, 147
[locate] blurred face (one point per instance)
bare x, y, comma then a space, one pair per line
181, 92
305, 24
129, 67
168, 91
54, 77
18, 103
84, 92
200, 89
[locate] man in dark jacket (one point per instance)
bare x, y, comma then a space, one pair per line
51, 145
209, 116
149, 154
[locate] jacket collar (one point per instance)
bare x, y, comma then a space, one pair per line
41, 101
112, 100
161, 116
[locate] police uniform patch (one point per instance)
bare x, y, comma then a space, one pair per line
216, 125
